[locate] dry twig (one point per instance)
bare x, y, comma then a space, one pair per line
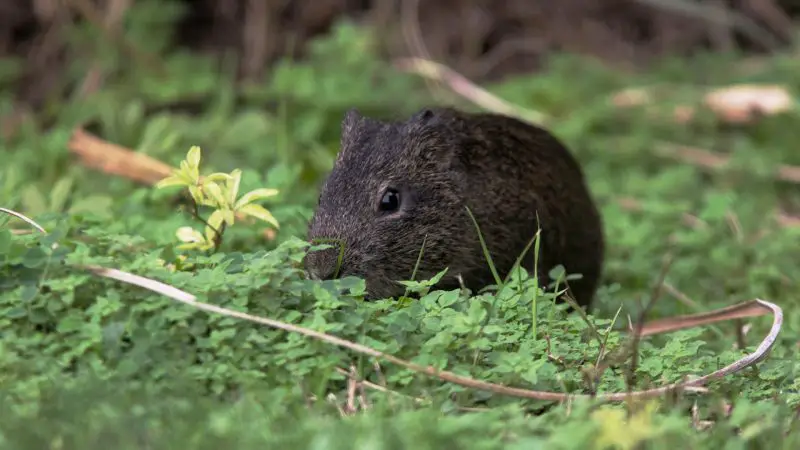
467, 89
117, 160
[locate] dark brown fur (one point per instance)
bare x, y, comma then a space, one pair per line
442, 160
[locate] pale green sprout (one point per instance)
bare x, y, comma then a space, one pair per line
218, 191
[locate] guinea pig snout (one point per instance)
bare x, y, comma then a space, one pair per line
322, 264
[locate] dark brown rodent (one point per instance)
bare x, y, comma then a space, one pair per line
394, 183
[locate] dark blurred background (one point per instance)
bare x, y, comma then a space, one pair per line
481, 39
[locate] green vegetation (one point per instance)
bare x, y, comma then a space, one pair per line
92, 363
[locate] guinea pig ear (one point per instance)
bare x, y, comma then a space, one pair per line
424, 127
424, 115
352, 120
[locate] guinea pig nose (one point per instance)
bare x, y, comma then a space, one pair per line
326, 272
321, 265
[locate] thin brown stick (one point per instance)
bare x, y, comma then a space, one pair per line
467, 89
380, 388
738, 311
117, 160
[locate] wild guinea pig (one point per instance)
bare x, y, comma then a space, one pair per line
396, 184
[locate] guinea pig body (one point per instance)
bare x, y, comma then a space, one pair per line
398, 184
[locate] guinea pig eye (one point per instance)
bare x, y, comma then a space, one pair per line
390, 200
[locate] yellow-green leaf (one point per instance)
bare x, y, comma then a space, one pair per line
197, 194
215, 224
189, 234
193, 156
230, 218
215, 193
172, 180
216, 218
618, 431
233, 185
198, 245
188, 173
259, 212
217, 177
193, 163
255, 194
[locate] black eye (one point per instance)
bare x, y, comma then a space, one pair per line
390, 200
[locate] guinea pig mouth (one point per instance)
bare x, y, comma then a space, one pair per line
326, 270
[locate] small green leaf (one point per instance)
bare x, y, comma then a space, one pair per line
34, 257
59, 193
28, 293
255, 194
5, 241
33, 201
16, 313
71, 323
259, 212
98, 204
557, 272
436, 278
449, 298
38, 316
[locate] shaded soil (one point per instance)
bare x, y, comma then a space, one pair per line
482, 39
